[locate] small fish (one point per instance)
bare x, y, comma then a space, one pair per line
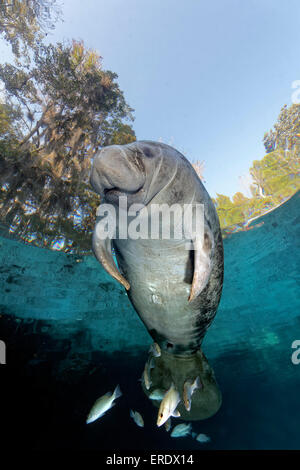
147, 373
151, 363
137, 418
155, 350
188, 390
103, 404
181, 430
168, 406
146, 378
201, 437
168, 424
157, 394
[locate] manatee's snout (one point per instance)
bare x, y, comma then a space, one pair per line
117, 171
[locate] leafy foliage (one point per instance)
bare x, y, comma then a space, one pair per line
9, 120
286, 132
275, 178
69, 108
23, 23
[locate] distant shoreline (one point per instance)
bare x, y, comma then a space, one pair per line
244, 226
269, 210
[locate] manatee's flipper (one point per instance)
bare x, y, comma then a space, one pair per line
102, 251
203, 253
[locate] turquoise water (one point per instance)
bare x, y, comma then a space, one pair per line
72, 335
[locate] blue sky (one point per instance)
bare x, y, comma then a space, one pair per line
208, 77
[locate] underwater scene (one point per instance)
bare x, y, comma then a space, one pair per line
72, 336
149, 227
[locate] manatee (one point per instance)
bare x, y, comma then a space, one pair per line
175, 287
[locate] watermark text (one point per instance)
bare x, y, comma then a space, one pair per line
296, 354
2, 352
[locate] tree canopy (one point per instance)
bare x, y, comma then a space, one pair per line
23, 23
285, 134
57, 113
275, 178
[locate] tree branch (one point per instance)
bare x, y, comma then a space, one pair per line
36, 127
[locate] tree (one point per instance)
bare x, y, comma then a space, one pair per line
9, 120
239, 199
224, 206
123, 134
23, 23
276, 175
70, 107
286, 132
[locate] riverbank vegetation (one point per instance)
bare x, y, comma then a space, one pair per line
275, 177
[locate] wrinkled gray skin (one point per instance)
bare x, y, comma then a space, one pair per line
175, 291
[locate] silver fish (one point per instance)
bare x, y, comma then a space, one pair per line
188, 390
181, 430
168, 406
201, 438
146, 378
147, 373
137, 418
155, 350
103, 404
157, 394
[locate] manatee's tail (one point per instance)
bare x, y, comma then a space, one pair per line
206, 398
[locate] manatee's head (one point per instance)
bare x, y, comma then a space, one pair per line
135, 172
128, 170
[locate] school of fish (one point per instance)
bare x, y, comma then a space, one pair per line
168, 407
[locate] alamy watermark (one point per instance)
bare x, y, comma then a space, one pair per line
156, 221
296, 354
2, 352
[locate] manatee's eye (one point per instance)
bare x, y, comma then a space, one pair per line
148, 153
